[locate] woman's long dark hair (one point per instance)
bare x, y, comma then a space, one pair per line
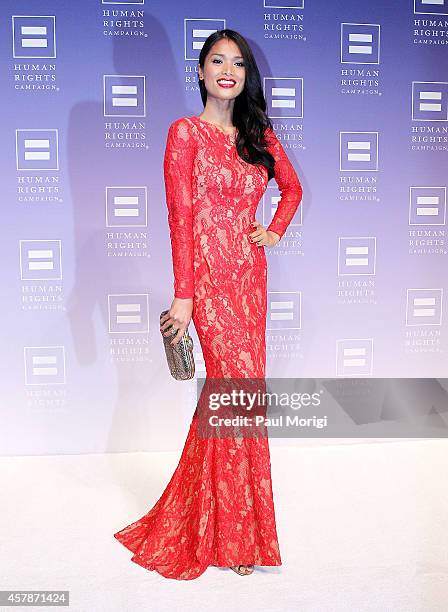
249, 111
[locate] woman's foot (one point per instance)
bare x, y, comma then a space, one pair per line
243, 570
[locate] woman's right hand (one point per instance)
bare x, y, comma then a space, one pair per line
179, 315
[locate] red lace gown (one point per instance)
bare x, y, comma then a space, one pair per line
218, 507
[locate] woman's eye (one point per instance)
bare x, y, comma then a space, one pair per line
241, 64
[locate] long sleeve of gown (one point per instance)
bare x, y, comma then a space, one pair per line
288, 183
177, 167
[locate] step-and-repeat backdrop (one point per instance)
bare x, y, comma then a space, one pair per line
358, 95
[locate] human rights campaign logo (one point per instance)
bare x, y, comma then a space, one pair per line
356, 255
284, 97
293, 4
358, 151
354, 357
33, 36
360, 43
126, 206
123, 2
44, 365
427, 206
196, 33
37, 149
431, 7
424, 306
40, 259
284, 310
429, 100
128, 313
124, 95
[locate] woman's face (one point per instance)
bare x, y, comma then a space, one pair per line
224, 71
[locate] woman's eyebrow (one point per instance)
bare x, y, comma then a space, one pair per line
235, 57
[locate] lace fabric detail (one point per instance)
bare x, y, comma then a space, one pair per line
178, 169
212, 196
218, 507
288, 183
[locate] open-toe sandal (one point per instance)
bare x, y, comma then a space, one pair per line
237, 569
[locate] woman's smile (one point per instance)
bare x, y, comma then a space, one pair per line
226, 83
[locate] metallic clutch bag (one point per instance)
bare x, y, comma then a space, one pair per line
180, 357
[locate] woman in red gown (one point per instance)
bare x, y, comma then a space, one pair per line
218, 507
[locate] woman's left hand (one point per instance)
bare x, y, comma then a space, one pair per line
263, 237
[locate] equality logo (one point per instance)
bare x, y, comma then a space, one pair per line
358, 151
360, 43
196, 31
427, 206
356, 255
424, 306
293, 4
37, 149
128, 313
44, 365
354, 356
284, 310
141, 2
33, 36
126, 206
429, 101
284, 97
431, 7
40, 260
124, 95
